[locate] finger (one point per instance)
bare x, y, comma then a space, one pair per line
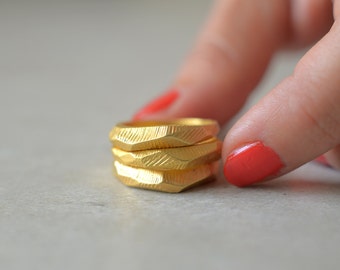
333, 157
298, 121
232, 54
227, 61
310, 20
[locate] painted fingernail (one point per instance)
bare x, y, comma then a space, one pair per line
251, 164
322, 160
157, 105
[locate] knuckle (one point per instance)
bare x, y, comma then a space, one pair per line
323, 119
216, 53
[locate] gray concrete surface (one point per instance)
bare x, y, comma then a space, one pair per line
70, 70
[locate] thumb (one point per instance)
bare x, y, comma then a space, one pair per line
298, 121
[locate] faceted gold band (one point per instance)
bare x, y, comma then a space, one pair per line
145, 135
179, 158
166, 181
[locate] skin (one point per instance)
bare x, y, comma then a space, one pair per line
300, 118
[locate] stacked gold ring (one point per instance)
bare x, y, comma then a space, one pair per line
168, 156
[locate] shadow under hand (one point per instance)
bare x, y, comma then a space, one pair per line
310, 178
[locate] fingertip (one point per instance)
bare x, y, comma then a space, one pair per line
330, 159
158, 105
252, 163
322, 160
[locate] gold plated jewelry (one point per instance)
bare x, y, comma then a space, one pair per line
145, 135
166, 181
178, 158
169, 156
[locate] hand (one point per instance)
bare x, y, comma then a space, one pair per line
298, 120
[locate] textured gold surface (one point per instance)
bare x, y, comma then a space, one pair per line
178, 158
144, 135
166, 181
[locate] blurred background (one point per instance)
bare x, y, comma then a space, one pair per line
69, 71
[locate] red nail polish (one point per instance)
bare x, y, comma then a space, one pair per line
157, 105
322, 160
251, 163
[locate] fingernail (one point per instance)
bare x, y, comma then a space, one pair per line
251, 164
157, 105
322, 160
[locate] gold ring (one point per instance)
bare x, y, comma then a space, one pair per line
145, 135
179, 158
166, 181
